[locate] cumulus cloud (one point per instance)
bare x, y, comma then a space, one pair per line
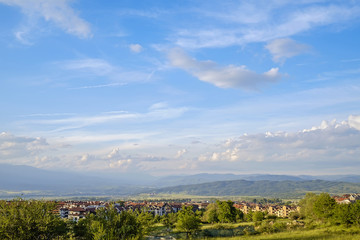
123, 164
180, 153
56, 11
224, 77
329, 146
13, 146
354, 121
284, 48
332, 145
136, 48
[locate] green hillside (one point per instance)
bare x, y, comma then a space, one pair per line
262, 188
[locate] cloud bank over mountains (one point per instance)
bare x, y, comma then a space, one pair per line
322, 148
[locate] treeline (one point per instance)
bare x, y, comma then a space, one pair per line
34, 219
323, 208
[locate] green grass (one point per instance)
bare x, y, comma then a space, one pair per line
332, 233
320, 232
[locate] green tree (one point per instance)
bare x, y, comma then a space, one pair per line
30, 219
226, 211
355, 212
343, 214
188, 221
169, 220
249, 216
211, 213
258, 216
110, 225
146, 220
324, 206
307, 206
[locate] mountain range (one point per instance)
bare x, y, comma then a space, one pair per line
40, 182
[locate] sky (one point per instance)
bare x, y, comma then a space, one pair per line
181, 87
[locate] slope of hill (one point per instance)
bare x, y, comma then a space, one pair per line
263, 188
206, 177
40, 182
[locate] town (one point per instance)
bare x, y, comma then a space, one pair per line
76, 210
180, 219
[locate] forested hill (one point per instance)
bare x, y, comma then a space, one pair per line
262, 188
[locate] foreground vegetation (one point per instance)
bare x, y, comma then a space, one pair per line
320, 217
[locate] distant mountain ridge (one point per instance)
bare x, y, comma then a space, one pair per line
21, 178
206, 177
264, 188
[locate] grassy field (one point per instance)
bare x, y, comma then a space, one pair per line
319, 233
315, 234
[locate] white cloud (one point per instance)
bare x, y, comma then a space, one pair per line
330, 146
136, 48
12, 146
332, 143
180, 153
158, 105
274, 20
354, 122
95, 67
284, 48
98, 138
74, 122
224, 77
56, 11
123, 164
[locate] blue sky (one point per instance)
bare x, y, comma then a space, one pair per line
181, 87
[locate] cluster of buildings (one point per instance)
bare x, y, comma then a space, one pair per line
76, 210
271, 209
347, 198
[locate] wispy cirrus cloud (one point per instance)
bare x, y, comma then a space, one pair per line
97, 67
56, 11
75, 122
224, 77
246, 23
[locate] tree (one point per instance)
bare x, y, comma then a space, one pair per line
324, 206
249, 216
355, 210
343, 214
146, 220
188, 221
258, 216
169, 221
211, 213
307, 206
110, 225
30, 219
226, 211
